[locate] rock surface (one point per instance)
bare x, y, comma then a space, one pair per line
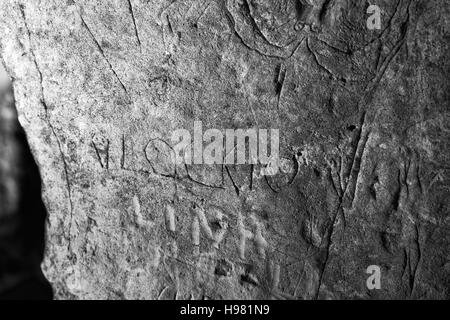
364, 124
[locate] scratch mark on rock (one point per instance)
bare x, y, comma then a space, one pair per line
316, 59
136, 33
102, 53
58, 142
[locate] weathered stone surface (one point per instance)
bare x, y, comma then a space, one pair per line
363, 116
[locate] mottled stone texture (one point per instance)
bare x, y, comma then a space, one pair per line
364, 123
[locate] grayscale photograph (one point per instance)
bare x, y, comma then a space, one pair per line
226, 150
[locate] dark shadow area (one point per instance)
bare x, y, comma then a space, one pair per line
22, 212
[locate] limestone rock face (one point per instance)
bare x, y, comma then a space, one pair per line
363, 116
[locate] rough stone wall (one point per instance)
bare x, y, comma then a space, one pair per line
364, 124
